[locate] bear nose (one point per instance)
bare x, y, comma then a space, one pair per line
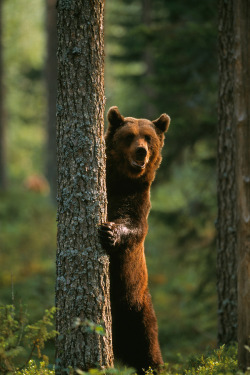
141, 153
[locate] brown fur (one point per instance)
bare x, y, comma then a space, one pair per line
133, 148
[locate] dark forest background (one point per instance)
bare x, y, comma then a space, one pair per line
161, 56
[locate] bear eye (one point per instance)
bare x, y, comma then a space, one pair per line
129, 138
147, 138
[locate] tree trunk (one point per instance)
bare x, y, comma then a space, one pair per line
234, 176
3, 178
148, 58
51, 83
82, 289
227, 236
242, 124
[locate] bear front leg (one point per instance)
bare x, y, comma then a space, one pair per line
111, 234
115, 235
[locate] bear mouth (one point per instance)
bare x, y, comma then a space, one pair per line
138, 165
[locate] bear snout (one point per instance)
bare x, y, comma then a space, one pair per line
140, 158
141, 153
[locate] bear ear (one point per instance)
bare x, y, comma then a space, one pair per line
114, 117
162, 123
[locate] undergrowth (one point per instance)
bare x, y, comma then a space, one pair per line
22, 344
20, 341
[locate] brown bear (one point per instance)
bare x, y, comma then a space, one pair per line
133, 148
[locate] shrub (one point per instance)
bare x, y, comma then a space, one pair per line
20, 341
219, 361
36, 369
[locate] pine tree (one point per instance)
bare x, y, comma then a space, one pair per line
3, 177
234, 176
51, 82
82, 289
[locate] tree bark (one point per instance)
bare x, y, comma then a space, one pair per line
82, 288
51, 83
3, 177
242, 124
234, 176
148, 58
226, 188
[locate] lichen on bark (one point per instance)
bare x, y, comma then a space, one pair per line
82, 288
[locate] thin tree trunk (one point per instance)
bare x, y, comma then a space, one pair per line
51, 83
242, 123
234, 176
82, 289
148, 58
3, 177
227, 221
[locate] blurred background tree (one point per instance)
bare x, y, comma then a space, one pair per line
51, 87
233, 224
233, 178
227, 191
3, 177
160, 57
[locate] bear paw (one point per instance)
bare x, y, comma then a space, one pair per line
109, 235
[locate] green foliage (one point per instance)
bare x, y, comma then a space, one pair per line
160, 59
217, 362
24, 45
220, 361
28, 245
111, 371
90, 326
19, 340
36, 369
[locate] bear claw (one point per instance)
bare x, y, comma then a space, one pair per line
108, 235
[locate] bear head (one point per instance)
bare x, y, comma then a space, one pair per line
134, 145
